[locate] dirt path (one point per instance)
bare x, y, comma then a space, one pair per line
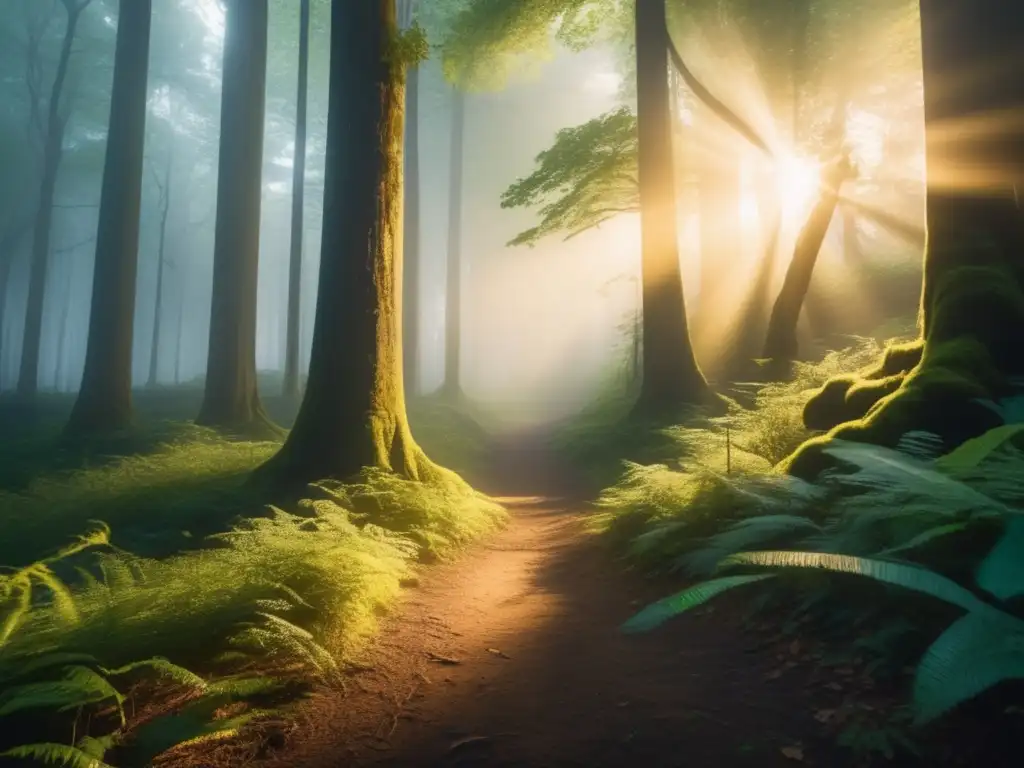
511, 656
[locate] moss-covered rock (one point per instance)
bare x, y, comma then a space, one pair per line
972, 349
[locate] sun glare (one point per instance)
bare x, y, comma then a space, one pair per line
796, 179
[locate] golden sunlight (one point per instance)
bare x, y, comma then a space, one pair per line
796, 182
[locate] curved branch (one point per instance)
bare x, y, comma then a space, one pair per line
709, 100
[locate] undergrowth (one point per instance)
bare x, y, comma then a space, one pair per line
232, 604
938, 537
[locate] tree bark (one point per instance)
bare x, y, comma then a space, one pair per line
291, 361
104, 398
231, 400
8, 245
671, 376
353, 412
158, 304
780, 344
28, 373
453, 290
972, 302
411, 313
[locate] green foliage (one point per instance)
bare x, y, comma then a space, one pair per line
885, 506
485, 39
293, 593
589, 175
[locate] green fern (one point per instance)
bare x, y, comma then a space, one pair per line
1001, 573
658, 613
55, 754
973, 452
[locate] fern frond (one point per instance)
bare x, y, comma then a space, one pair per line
55, 754
972, 655
656, 614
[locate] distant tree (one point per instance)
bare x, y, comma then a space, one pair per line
452, 386
53, 129
353, 412
104, 399
291, 360
231, 399
164, 186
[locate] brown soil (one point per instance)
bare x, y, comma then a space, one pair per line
512, 656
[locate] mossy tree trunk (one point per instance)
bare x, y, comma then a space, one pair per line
231, 399
105, 398
452, 387
671, 377
53, 150
411, 226
972, 300
780, 344
353, 413
291, 357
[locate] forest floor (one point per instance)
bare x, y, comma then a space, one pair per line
512, 656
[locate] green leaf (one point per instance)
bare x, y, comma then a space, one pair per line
161, 667
78, 687
658, 613
55, 754
924, 537
1001, 573
972, 655
898, 574
975, 451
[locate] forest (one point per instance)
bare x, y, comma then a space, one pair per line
603, 383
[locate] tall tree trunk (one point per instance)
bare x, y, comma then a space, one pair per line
5, 277
671, 376
780, 344
972, 320
231, 399
453, 289
411, 225
291, 361
105, 397
177, 341
353, 412
158, 305
62, 332
28, 373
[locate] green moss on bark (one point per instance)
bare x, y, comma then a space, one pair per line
971, 352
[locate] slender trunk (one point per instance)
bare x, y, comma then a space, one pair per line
353, 412
453, 289
231, 399
780, 340
671, 376
105, 397
28, 374
411, 313
291, 361
177, 341
154, 347
62, 333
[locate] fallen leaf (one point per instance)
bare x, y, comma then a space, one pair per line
773, 675
794, 647
499, 653
834, 686
793, 753
824, 715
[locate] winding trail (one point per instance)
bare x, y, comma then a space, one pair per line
511, 656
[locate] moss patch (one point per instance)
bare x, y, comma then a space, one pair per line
971, 352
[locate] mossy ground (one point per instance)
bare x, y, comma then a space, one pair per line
196, 553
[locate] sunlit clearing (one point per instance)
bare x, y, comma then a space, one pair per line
796, 182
